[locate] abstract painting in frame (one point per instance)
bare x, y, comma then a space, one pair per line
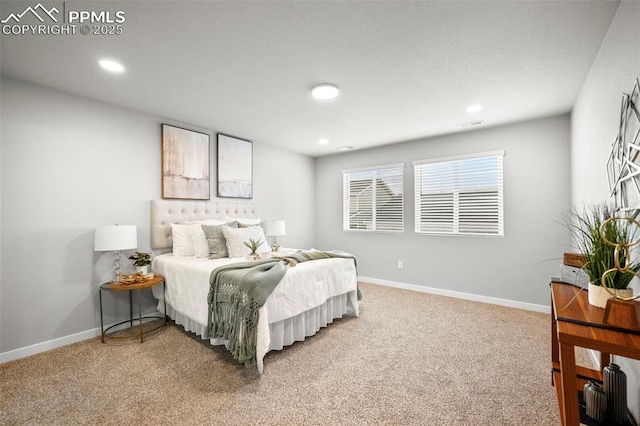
185, 164
235, 167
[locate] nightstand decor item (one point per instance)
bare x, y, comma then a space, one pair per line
141, 261
136, 277
615, 388
595, 401
275, 229
115, 238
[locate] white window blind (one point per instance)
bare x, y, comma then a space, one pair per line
373, 198
460, 195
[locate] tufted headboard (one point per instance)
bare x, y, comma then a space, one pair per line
164, 212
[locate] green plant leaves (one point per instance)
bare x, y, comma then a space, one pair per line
588, 227
253, 244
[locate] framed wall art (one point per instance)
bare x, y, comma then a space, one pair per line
235, 167
185, 164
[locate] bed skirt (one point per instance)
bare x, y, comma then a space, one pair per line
282, 333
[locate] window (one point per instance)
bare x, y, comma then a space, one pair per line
372, 199
459, 195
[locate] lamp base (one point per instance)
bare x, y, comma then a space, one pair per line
116, 266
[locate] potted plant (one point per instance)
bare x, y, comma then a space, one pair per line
141, 261
593, 234
253, 246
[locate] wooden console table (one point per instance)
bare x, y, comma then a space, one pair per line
576, 323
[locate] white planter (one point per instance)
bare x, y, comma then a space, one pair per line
144, 269
598, 295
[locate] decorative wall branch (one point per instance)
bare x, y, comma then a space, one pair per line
623, 167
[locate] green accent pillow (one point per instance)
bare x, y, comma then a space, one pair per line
215, 239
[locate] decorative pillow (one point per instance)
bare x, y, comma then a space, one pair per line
216, 243
236, 237
199, 240
182, 242
244, 222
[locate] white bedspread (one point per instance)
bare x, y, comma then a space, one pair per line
305, 286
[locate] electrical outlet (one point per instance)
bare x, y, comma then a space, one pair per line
400, 264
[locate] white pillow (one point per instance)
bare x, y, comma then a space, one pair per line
199, 240
236, 236
182, 242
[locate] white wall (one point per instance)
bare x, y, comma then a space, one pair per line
70, 164
594, 126
517, 267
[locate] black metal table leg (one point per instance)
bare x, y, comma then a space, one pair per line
101, 320
131, 308
140, 315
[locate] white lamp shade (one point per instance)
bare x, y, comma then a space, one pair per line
116, 237
275, 228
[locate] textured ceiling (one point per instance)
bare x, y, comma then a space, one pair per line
406, 70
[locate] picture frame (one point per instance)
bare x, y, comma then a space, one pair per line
235, 167
185, 164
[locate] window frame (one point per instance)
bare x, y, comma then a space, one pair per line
475, 192
395, 170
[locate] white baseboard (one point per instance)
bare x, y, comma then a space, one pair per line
48, 345
55, 343
460, 295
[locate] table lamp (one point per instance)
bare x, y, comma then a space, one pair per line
275, 229
115, 238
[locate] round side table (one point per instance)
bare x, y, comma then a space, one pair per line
117, 287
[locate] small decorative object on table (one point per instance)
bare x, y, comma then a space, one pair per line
253, 246
136, 277
595, 401
604, 240
615, 388
141, 261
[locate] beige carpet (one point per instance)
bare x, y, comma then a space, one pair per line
410, 359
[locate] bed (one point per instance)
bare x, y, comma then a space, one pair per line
309, 296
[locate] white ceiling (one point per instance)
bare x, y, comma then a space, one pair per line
406, 70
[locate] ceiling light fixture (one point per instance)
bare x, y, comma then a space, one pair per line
346, 148
474, 108
325, 91
111, 66
323, 141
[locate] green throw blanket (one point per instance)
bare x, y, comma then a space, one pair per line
237, 293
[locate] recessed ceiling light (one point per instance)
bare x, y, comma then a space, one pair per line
471, 124
325, 91
474, 108
323, 141
346, 148
111, 66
